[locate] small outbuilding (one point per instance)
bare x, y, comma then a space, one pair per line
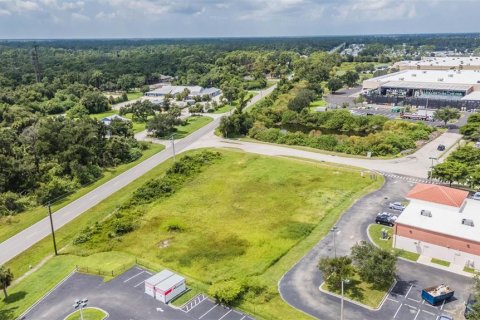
165, 285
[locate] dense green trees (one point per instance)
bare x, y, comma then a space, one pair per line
53, 156
163, 124
236, 124
301, 101
471, 130
461, 166
350, 78
95, 102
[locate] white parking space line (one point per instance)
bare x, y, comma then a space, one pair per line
208, 311
243, 317
133, 277
139, 284
416, 315
392, 299
409, 290
412, 307
194, 305
443, 304
397, 311
149, 273
430, 313
413, 300
225, 315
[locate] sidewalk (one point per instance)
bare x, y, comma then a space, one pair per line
454, 268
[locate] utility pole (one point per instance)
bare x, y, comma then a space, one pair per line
51, 226
173, 146
36, 64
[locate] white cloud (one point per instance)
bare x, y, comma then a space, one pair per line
102, 15
376, 10
79, 17
5, 12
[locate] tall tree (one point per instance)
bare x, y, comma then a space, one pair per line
374, 265
334, 84
6, 277
446, 114
335, 270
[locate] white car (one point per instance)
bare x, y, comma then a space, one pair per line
476, 196
396, 206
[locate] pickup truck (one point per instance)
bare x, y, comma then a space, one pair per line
435, 295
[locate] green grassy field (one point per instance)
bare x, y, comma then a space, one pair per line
88, 314
134, 95
193, 124
11, 225
375, 232
226, 108
290, 203
361, 291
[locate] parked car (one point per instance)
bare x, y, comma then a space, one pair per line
385, 219
445, 317
396, 206
441, 147
476, 196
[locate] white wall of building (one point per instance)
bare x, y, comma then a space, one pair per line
433, 251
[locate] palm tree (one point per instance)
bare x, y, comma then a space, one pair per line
6, 278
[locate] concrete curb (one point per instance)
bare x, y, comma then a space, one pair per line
108, 315
359, 303
22, 316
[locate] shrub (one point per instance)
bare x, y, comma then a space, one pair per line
226, 292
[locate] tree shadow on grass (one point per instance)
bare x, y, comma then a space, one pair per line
14, 297
354, 291
7, 314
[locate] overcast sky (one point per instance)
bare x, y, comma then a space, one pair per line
222, 18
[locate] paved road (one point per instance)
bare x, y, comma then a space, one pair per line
299, 287
416, 165
28, 237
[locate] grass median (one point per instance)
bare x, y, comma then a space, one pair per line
375, 233
246, 218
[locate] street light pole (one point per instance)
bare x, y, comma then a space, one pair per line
51, 226
341, 304
333, 230
431, 167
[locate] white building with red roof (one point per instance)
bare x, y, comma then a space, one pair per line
440, 222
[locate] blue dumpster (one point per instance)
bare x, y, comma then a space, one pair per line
435, 295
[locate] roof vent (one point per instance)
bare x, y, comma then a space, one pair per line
414, 74
468, 222
401, 79
450, 75
424, 71
426, 213
440, 79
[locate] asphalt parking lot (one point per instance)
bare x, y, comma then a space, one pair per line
405, 303
124, 299
202, 307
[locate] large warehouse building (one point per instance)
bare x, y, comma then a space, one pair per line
428, 88
440, 63
442, 223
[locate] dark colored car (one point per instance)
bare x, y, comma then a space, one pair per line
385, 219
441, 147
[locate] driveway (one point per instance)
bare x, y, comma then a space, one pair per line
299, 287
